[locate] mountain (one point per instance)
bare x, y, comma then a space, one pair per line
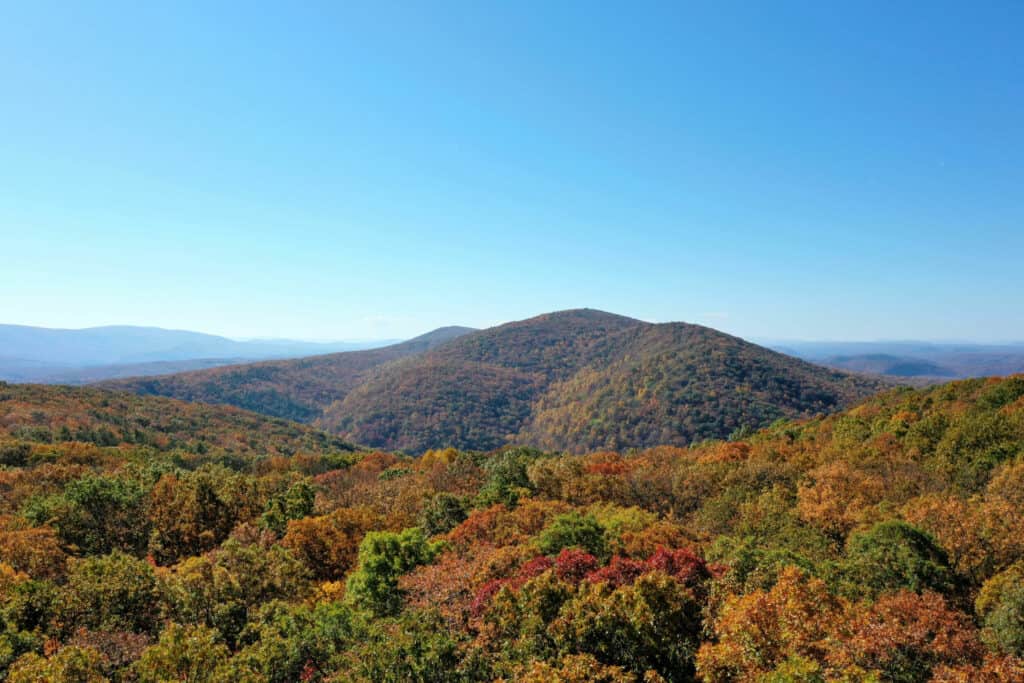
37, 354
570, 380
912, 359
885, 364
579, 380
295, 389
55, 416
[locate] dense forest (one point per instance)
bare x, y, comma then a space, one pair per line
295, 389
574, 380
883, 543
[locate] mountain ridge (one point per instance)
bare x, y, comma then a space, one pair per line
570, 380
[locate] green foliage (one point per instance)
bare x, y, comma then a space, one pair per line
894, 555
653, 624
1000, 605
416, 647
110, 592
507, 479
291, 643
573, 530
185, 653
96, 515
295, 503
443, 513
71, 664
383, 557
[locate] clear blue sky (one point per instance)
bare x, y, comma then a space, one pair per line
850, 170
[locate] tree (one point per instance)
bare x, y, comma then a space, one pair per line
1000, 605
328, 545
111, 592
295, 503
652, 624
443, 513
893, 556
188, 653
757, 633
72, 664
96, 514
574, 530
299, 643
383, 557
903, 636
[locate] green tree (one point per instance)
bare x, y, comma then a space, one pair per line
383, 557
892, 556
291, 643
443, 513
112, 592
574, 530
187, 653
295, 503
95, 515
69, 664
1000, 605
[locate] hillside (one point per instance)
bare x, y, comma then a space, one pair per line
583, 379
572, 380
54, 417
296, 389
880, 543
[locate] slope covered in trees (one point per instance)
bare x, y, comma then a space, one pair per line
49, 420
578, 380
295, 389
884, 543
572, 380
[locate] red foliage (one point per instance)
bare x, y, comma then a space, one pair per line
484, 594
621, 571
534, 567
573, 564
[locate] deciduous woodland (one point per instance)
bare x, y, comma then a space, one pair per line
145, 539
577, 380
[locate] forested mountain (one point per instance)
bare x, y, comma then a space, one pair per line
572, 380
578, 380
295, 389
883, 543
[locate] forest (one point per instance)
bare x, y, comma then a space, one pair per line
576, 381
145, 539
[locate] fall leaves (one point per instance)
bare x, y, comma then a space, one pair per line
881, 544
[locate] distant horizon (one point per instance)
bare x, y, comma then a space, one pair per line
760, 340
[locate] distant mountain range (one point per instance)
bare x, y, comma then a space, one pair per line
572, 380
38, 354
911, 359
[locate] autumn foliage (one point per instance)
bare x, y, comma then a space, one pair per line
174, 542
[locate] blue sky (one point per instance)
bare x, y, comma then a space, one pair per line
776, 170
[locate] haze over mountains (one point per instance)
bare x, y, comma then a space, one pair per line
571, 380
38, 354
912, 359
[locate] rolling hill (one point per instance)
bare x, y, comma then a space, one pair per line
571, 380
58, 417
295, 389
